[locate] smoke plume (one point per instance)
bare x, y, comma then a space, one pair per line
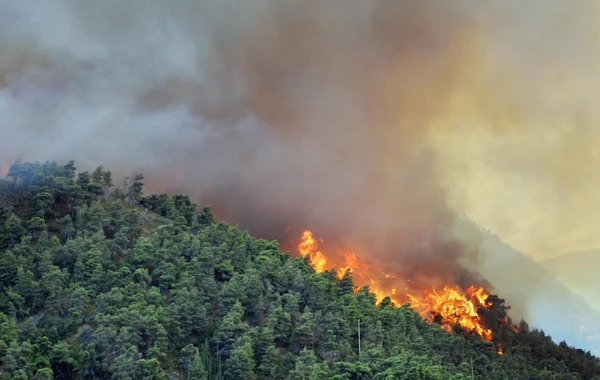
373, 123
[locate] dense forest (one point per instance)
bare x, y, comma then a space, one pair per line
99, 281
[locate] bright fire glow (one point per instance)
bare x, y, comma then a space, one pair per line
453, 308
448, 306
308, 248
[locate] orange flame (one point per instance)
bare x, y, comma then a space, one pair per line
308, 248
447, 306
452, 308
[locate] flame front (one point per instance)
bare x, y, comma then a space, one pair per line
308, 248
448, 306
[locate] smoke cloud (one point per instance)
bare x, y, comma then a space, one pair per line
373, 123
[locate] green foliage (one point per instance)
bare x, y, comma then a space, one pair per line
13, 230
103, 282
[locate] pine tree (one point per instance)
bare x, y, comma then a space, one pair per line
230, 329
241, 363
12, 231
134, 191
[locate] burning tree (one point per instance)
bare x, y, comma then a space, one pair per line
470, 310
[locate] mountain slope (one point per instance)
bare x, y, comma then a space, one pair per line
99, 283
534, 292
577, 271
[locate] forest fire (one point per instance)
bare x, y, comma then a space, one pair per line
308, 248
448, 306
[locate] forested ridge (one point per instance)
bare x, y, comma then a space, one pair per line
99, 281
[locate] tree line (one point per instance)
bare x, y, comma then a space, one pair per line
99, 281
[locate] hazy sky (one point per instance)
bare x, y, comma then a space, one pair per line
523, 157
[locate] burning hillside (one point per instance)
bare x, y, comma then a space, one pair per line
265, 110
448, 305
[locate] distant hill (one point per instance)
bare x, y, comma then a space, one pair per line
545, 300
576, 271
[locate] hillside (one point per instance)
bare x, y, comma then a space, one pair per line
574, 270
99, 282
547, 301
